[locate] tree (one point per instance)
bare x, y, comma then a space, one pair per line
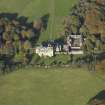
6, 36
30, 33
84, 30
99, 45
27, 45
89, 45
75, 21
16, 37
67, 25
38, 24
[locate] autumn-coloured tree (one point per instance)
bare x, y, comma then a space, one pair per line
38, 24
88, 19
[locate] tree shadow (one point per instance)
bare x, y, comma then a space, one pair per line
23, 20
54, 43
9, 16
100, 57
99, 98
45, 20
60, 41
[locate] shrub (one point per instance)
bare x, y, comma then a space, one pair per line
49, 61
35, 59
62, 59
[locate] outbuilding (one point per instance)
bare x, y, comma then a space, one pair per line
45, 51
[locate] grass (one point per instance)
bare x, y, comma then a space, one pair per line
37, 8
58, 86
49, 87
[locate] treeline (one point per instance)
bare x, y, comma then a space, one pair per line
17, 37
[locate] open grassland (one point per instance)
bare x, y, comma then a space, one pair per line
59, 86
57, 9
49, 87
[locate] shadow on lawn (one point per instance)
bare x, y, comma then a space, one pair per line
99, 99
45, 20
15, 16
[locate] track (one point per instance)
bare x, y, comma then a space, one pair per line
52, 18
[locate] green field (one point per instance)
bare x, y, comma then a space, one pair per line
57, 86
49, 87
34, 9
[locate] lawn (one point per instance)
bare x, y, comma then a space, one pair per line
49, 87
34, 9
58, 86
